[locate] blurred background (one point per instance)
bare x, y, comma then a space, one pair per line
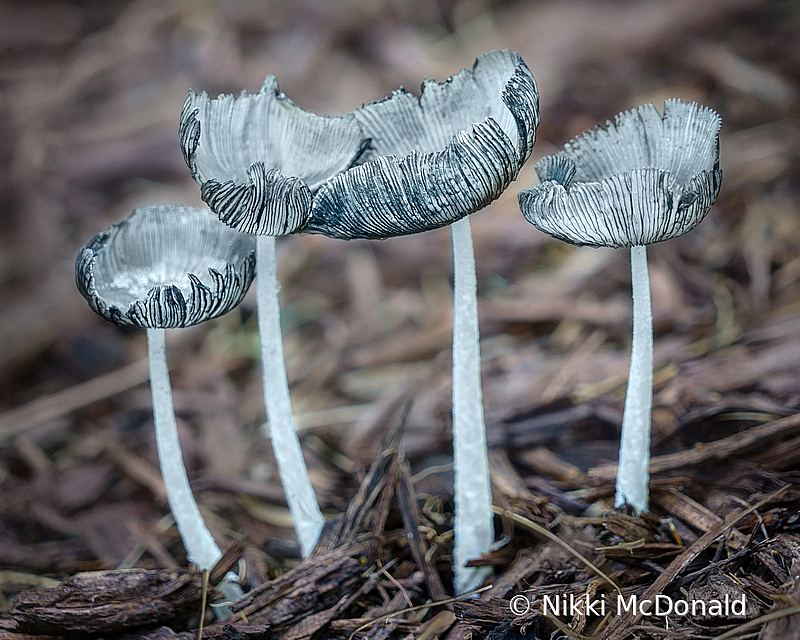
90, 95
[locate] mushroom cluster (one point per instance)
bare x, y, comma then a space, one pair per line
399, 166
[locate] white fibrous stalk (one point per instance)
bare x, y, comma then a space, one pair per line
200, 546
474, 529
634, 451
300, 496
201, 549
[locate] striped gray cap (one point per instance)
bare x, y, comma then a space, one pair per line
258, 158
165, 267
435, 158
642, 179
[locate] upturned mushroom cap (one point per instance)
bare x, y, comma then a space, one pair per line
434, 158
257, 158
643, 179
165, 267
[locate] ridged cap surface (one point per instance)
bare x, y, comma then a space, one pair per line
642, 179
166, 267
258, 158
435, 158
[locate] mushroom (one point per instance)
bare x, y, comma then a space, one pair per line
644, 178
433, 160
257, 159
168, 267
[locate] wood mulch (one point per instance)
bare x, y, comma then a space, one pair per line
90, 95
380, 568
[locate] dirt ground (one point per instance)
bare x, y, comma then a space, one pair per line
90, 95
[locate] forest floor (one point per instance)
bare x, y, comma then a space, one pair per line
90, 95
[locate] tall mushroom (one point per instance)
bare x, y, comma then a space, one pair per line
168, 267
643, 179
434, 159
257, 159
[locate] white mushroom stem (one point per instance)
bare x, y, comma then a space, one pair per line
474, 527
634, 451
201, 549
300, 496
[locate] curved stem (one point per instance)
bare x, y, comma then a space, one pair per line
201, 549
634, 451
474, 527
300, 496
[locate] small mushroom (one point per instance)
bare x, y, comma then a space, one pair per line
168, 267
644, 178
257, 159
433, 160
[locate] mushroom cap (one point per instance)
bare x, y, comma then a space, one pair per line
643, 179
164, 267
257, 158
435, 158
